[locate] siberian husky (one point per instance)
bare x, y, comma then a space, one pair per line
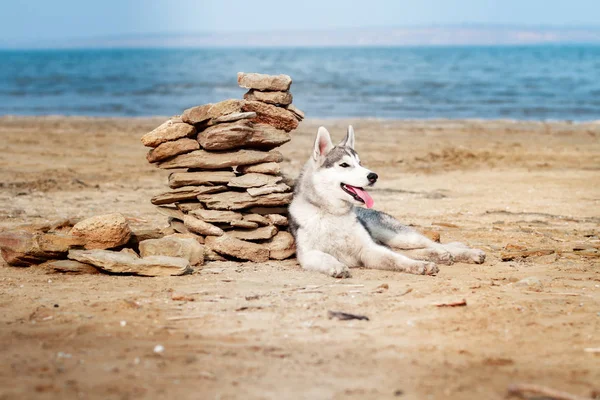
333, 234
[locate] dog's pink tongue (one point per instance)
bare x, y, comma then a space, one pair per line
366, 197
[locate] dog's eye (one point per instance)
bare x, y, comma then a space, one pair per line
344, 165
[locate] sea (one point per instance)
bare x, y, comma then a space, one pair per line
547, 82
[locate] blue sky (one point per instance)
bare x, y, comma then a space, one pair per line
30, 20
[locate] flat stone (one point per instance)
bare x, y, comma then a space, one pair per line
180, 179
187, 248
122, 263
277, 98
143, 234
199, 114
267, 137
172, 212
267, 189
226, 136
233, 117
130, 252
21, 249
299, 114
103, 231
178, 226
170, 130
277, 219
253, 180
59, 242
238, 201
211, 189
198, 226
270, 168
268, 210
170, 149
209, 160
211, 255
189, 206
243, 224
72, 267
179, 194
230, 246
262, 233
272, 115
281, 246
242, 134
264, 82
197, 238
216, 215
257, 218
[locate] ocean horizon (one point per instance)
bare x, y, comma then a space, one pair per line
523, 82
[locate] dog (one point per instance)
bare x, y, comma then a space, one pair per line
334, 233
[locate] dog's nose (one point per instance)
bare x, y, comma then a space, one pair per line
372, 177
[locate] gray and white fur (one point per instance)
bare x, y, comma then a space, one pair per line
333, 234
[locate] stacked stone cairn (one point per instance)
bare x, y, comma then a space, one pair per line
227, 189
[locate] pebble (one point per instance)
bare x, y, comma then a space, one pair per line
159, 349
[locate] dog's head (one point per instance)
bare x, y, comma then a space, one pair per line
338, 171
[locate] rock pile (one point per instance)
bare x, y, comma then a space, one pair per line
227, 188
104, 243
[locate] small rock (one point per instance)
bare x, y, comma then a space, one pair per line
299, 114
226, 136
241, 200
179, 179
276, 98
103, 231
219, 160
233, 117
181, 194
253, 180
159, 349
531, 283
129, 251
257, 218
270, 168
72, 267
281, 246
172, 212
187, 207
216, 215
199, 114
243, 224
268, 189
121, 263
172, 129
170, 149
262, 233
187, 248
204, 228
21, 249
277, 219
264, 82
269, 114
238, 248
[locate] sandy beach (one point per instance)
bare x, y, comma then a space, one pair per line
261, 331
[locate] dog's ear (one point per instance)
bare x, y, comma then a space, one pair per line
323, 143
348, 140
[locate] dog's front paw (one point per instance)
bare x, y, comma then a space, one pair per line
424, 268
340, 271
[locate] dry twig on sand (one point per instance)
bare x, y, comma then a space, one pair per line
342, 316
520, 389
459, 303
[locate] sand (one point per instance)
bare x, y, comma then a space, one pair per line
260, 331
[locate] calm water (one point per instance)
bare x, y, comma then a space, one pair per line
544, 82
